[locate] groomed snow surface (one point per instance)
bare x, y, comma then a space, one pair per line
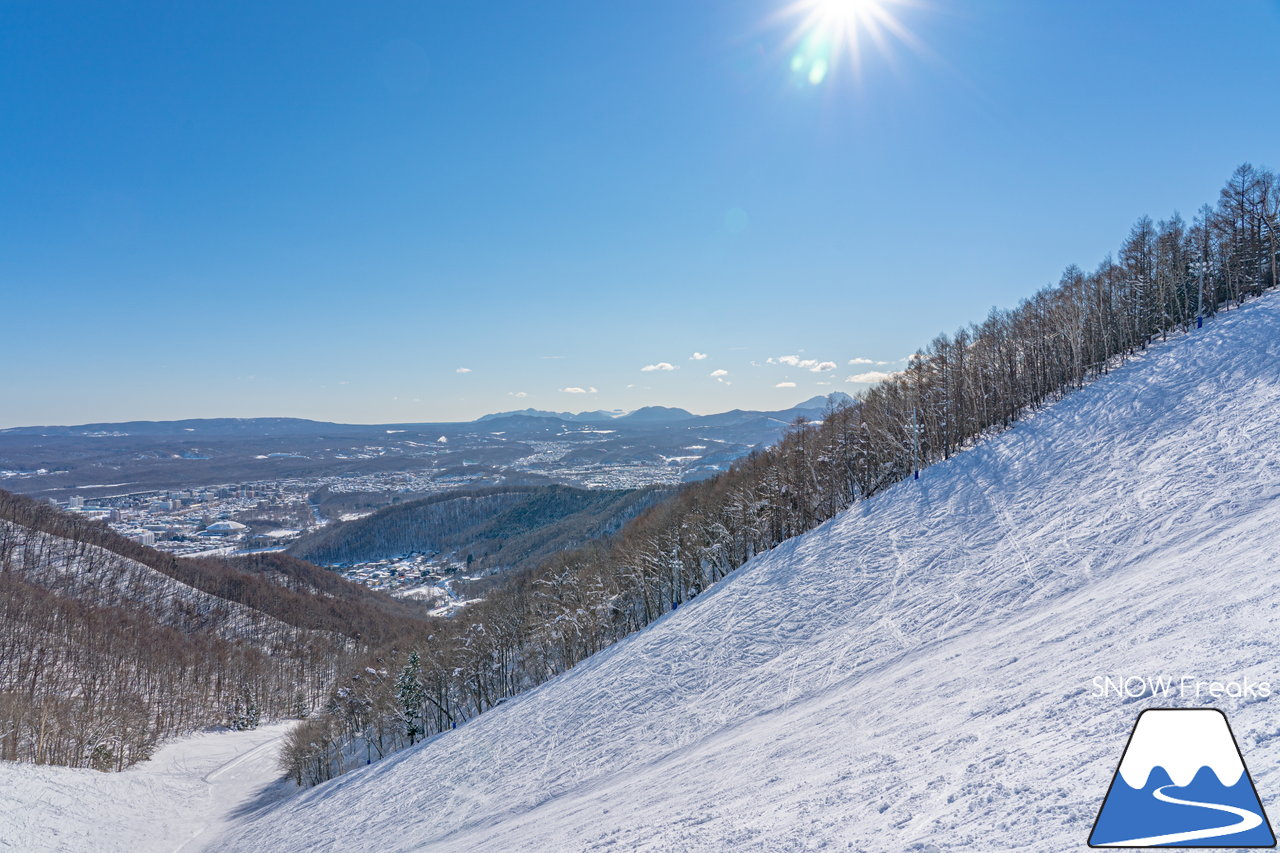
917, 674
189, 793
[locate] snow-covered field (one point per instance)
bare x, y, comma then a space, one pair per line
190, 792
915, 675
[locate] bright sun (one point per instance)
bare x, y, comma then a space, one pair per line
845, 12
832, 32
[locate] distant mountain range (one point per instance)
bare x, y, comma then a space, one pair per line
810, 408
652, 414
284, 427
655, 444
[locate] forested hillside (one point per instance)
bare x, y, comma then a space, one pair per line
916, 675
107, 646
501, 527
957, 390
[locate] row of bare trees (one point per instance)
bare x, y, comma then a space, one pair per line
107, 647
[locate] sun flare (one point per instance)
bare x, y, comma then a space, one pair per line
847, 12
833, 33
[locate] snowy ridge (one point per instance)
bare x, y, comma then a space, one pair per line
1181, 742
915, 672
79, 569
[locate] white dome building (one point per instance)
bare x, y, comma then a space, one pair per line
224, 528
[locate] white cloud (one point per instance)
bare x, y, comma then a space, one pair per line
520, 394
698, 356
870, 376
785, 385
463, 370
574, 389
719, 373
861, 361
810, 364
662, 365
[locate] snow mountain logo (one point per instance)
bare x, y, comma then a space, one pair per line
1182, 783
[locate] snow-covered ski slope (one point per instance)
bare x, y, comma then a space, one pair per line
188, 793
915, 675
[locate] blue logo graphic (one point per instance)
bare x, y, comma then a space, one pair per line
1182, 783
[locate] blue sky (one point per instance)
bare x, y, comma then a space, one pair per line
327, 210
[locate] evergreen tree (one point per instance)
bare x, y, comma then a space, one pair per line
410, 690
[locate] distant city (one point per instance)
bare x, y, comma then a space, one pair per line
196, 522
259, 517
155, 483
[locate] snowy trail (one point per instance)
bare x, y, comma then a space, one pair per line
250, 780
265, 750
1248, 820
914, 675
189, 793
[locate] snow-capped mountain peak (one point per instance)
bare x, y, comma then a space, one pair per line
1181, 741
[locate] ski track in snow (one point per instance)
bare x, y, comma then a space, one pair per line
914, 675
189, 793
